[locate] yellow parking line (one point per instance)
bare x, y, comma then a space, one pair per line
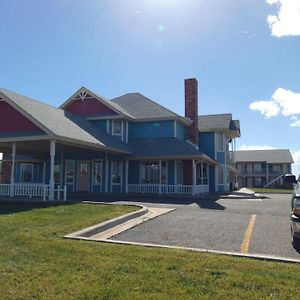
247, 237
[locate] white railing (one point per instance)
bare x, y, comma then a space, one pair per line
34, 190
4, 189
166, 189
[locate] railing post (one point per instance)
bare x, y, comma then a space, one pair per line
44, 193
194, 178
12, 171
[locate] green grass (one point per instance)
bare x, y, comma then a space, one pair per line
37, 263
275, 191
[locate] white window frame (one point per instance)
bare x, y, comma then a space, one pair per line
220, 144
159, 171
93, 170
32, 172
111, 172
74, 176
113, 128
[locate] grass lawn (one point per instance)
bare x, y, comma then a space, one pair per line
266, 190
37, 263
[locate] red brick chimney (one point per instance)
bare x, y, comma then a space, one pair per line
191, 108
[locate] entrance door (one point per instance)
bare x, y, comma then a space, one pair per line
83, 170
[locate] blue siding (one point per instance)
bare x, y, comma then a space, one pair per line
207, 143
180, 131
151, 129
99, 123
221, 157
134, 172
212, 176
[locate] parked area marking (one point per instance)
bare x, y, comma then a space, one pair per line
247, 237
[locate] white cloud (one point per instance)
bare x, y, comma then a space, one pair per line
256, 147
267, 108
287, 22
284, 102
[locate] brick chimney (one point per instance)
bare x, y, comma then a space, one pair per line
191, 108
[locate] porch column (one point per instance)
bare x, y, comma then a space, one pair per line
175, 177
12, 170
194, 177
126, 176
51, 180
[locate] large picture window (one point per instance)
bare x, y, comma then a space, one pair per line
26, 173
150, 172
97, 172
116, 172
70, 172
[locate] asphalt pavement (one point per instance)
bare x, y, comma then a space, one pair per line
234, 224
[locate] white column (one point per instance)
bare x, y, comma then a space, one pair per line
175, 176
12, 171
51, 180
126, 176
194, 177
159, 191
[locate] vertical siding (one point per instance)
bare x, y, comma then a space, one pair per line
207, 143
180, 129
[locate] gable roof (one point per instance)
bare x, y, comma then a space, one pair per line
113, 106
143, 108
60, 124
270, 156
219, 122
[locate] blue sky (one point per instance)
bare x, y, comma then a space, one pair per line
245, 55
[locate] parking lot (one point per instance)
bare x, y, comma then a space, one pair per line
241, 224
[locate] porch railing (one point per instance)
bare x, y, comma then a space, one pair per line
34, 190
167, 189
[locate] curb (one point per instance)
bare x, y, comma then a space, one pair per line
227, 253
92, 230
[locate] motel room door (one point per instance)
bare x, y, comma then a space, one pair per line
83, 171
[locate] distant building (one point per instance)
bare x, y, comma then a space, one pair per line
260, 168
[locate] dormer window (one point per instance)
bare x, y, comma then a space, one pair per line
117, 127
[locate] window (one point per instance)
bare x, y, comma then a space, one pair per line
205, 171
179, 172
150, 172
70, 172
257, 168
116, 172
220, 141
220, 175
257, 182
97, 172
117, 128
57, 174
26, 173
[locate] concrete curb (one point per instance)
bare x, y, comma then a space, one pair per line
92, 230
228, 253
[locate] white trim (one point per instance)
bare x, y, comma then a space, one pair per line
92, 181
51, 179
113, 128
121, 174
74, 172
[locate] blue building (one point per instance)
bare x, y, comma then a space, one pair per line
129, 144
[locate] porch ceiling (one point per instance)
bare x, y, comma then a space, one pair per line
41, 146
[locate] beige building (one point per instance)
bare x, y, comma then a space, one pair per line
261, 168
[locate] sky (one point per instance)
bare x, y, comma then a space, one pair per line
244, 54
